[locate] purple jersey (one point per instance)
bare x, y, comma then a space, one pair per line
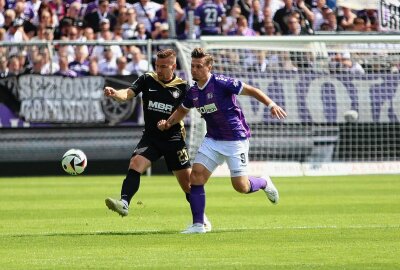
209, 15
216, 102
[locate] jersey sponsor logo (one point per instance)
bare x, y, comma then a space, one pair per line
176, 94
160, 107
221, 78
209, 108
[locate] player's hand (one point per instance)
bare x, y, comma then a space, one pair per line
162, 125
109, 91
278, 112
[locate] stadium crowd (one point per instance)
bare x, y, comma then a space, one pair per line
105, 20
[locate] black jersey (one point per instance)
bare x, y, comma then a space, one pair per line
160, 100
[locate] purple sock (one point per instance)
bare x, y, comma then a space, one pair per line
197, 203
256, 184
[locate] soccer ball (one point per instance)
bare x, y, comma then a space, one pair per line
74, 161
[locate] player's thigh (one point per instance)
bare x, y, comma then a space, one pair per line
208, 155
176, 155
237, 157
144, 154
200, 174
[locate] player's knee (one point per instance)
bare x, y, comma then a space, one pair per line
197, 177
138, 164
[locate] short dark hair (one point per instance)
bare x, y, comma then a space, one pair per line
166, 53
200, 53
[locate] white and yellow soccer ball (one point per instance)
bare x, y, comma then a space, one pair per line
74, 161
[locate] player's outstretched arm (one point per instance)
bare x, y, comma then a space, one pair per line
276, 111
119, 95
175, 118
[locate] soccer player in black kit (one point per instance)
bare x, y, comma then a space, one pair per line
162, 92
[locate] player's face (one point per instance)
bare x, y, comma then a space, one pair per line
200, 69
165, 68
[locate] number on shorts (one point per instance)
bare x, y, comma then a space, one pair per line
183, 155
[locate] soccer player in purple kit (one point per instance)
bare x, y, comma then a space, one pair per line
227, 138
209, 16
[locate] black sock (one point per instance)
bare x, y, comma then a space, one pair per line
130, 185
188, 197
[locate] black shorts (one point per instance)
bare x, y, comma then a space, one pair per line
175, 153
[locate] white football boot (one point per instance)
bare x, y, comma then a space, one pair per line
271, 191
207, 224
117, 206
195, 228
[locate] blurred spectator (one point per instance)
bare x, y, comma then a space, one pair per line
117, 34
121, 66
14, 66
270, 28
48, 34
145, 12
9, 17
98, 51
191, 6
209, 17
129, 27
88, 34
23, 11
64, 70
2, 10
47, 18
256, 16
358, 25
342, 62
294, 27
242, 28
138, 65
93, 67
3, 66
81, 63
371, 19
142, 33
37, 63
346, 18
15, 34
94, 18
58, 8
245, 6
305, 15
48, 67
23, 61
318, 14
108, 65
162, 17
119, 8
161, 31
331, 23
231, 21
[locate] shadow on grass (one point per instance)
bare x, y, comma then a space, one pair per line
115, 233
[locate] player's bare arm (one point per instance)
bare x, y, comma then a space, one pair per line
119, 95
276, 110
175, 118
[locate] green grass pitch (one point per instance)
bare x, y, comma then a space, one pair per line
350, 222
